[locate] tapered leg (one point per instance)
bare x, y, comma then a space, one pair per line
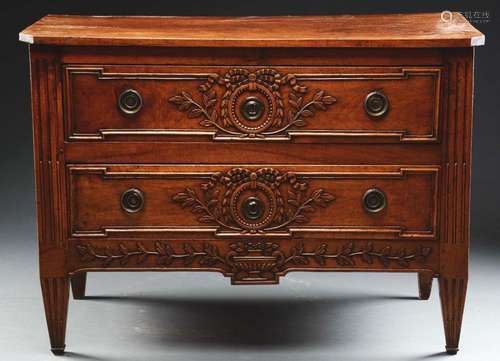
78, 283
452, 291
55, 292
50, 191
425, 284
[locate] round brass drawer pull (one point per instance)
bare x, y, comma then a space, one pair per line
132, 200
130, 102
376, 104
374, 200
252, 108
252, 208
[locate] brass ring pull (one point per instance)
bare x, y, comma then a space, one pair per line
252, 108
253, 208
130, 102
374, 200
132, 200
376, 104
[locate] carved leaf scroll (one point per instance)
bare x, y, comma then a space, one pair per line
217, 200
269, 84
254, 262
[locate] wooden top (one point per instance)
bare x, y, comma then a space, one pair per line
348, 31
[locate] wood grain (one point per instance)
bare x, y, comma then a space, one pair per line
311, 181
92, 94
425, 284
96, 190
78, 283
454, 268
55, 292
372, 31
251, 261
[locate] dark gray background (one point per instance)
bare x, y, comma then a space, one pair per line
192, 316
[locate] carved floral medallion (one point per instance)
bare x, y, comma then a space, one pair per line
252, 104
253, 201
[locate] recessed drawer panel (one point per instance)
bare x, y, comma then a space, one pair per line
300, 104
254, 201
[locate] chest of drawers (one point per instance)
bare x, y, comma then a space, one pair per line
253, 147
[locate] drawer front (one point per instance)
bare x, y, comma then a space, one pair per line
300, 104
344, 202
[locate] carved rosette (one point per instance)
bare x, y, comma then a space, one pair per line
253, 201
255, 262
264, 87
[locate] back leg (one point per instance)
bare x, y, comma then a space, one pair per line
424, 284
78, 283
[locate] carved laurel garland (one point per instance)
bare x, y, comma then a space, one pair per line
269, 83
219, 199
260, 259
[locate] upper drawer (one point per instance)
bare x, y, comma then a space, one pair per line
301, 104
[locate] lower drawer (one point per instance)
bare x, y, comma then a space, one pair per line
344, 202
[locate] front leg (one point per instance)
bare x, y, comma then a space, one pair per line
455, 190
50, 190
55, 291
452, 291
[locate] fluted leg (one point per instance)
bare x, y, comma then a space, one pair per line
425, 285
452, 291
55, 292
78, 283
